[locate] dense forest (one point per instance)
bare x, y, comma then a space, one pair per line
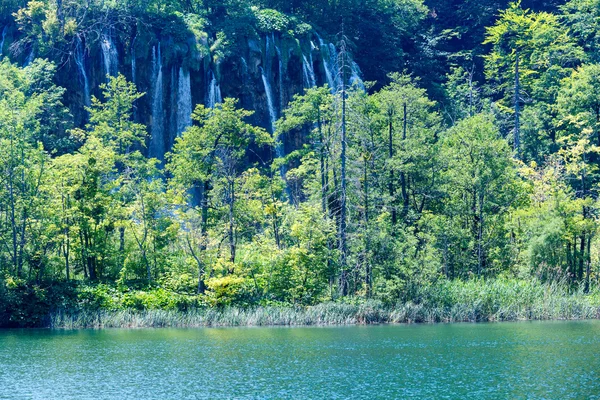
193, 153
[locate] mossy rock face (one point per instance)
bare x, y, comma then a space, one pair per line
234, 51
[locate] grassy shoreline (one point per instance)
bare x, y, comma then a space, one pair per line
477, 300
370, 312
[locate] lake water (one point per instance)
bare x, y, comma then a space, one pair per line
537, 360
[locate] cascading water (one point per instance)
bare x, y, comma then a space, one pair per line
355, 78
268, 56
79, 56
280, 78
308, 72
214, 91
173, 93
157, 140
244, 67
270, 103
133, 64
330, 72
4, 31
30, 58
184, 101
272, 110
335, 70
266, 72
245, 73
110, 55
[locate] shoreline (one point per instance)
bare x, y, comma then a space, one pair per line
325, 314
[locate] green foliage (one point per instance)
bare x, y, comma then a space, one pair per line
270, 20
442, 220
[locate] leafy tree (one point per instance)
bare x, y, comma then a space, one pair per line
206, 159
24, 162
480, 188
531, 53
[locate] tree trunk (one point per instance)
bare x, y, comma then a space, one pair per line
122, 246
367, 236
480, 236
588, 262
231, 221
343, 222
322, 166
403, 182
203, 231
66, 252
392, 187
581, 257
517, 138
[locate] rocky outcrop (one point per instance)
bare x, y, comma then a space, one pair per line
178, 71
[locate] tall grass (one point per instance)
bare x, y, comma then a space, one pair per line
472, 301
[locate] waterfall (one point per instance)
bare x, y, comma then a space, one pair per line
173, 98
244, 74
244, 67
280, 79
268, 56
266, 73
272, 110
355, 79
157, 140
30, 57
184, 101
133, 65
110, 56
330, 71
335, 68
308, 71
80, 62
4, 30
214, 91
270, 103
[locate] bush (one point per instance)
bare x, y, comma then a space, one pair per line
227, 290
270, 20
29, 305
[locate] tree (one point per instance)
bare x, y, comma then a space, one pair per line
92, 177
411, 130
479, 185
206, 158
24, 162
531, 53
579, 100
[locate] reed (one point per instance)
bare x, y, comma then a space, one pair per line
473, 301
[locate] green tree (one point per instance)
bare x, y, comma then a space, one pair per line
480, 188
207, 159
531, 52
24, 163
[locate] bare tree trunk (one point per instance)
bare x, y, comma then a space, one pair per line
392, 188
367, 236
231, 221
581, 257
480, 236
517, 138
403, 182
588, 262
343, 216
203, 233
66, 252
322, 167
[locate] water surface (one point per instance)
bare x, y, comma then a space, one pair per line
529, 360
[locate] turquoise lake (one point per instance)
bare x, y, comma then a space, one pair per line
524, 360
